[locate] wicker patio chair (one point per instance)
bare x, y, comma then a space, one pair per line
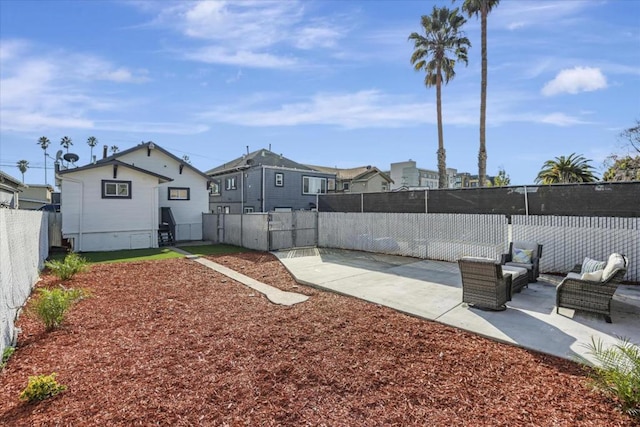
586, 295
483, 284
533, 267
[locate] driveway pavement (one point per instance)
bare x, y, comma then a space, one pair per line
433, 290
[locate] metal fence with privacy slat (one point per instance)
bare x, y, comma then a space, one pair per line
566, 240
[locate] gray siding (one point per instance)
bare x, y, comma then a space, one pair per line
288, 196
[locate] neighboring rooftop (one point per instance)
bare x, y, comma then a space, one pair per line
262, 157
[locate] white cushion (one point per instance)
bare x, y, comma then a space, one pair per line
514, 271
616, 262
571, 275
590, 265
594, 276
520, 265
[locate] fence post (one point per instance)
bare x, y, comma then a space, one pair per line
526, 202
426, 204
361, 202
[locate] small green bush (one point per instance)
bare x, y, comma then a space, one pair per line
65, 270
618, 372
6, 355
41, 387
51, 305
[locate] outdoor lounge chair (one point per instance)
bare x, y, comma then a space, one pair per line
524, 255
483, 284
585, 291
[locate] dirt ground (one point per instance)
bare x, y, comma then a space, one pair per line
174, 343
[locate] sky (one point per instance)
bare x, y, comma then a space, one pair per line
322, 82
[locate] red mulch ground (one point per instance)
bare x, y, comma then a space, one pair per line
174, 343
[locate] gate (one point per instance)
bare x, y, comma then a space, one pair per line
295, 229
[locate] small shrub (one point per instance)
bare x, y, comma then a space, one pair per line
618, 372
65, 270
51, 305
6, 355
41, 387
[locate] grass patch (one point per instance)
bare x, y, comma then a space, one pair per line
203, 250
151, 254
124, 255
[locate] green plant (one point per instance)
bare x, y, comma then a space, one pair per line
617, 372
6, 355
51, 305
65, 270
41, 387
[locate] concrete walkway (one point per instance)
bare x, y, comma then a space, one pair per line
433, 290
274, 295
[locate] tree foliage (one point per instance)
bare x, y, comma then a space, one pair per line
565, 170
23, 165
632, 135
436, 52
502, 179
625, 168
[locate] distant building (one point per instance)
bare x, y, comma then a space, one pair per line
263, 181
10, 188
36, 195
406, 175
363, 179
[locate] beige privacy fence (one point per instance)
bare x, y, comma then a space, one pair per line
24, 245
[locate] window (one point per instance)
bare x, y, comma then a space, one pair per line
227, 209
279, 179
384, 187
345, 186
219, 209
248, 209
214, 190
116, 189
230, 183
314, 185
178, 193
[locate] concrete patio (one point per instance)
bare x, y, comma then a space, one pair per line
433, 290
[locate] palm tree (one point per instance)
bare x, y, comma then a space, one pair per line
44, 144
563, 170
23, 165
92, 141
114, 149
66, 142
482, 8
443, 37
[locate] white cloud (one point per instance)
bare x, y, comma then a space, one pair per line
250, 33
561, 119
575, 80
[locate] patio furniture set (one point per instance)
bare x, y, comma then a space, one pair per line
589, 286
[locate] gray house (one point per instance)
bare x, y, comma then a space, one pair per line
10, 189
263, 181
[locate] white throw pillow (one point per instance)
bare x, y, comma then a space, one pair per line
594, 276
616, 262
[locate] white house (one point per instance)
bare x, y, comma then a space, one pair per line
139, 198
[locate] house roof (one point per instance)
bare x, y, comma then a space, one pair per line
362, 173
114, 162
6, 179
261, 157
153, 146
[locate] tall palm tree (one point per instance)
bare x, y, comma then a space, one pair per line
92, 141
44, 144
23, 165
66, 142
482, 8
564, 170
436, 52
